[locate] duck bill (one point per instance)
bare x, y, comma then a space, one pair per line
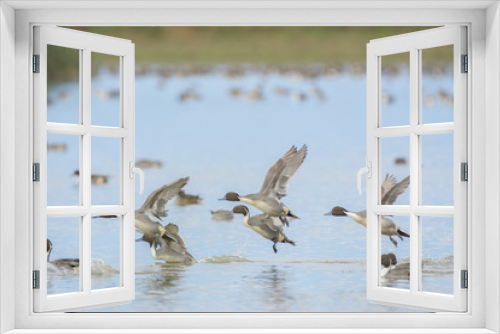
328, 214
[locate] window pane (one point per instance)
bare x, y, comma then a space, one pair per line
106, 178
63, 163
395, 168
437, 254
395, 251
63, 85
437, 169
437, 84
105, 90
63, 252
395, 90
106, 252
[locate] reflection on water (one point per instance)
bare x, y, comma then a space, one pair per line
273, 287
224, 134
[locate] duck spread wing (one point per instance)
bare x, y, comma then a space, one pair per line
388, 184
392, 194
158, 199
273, 175
291, 165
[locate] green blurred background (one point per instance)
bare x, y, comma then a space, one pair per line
245, 45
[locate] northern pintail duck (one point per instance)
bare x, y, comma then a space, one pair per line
148, 216
393, 270
275, 186
96, 179
57, 147
389, 193
186, 199
269, 227
255, 94
222, 215
189, 94
170, 248
65, 263
148, 164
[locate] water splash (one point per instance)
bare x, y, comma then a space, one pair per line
224, 259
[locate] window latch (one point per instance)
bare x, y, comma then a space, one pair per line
139, 171
368, 171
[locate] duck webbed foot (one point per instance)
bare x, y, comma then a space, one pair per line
394, 242
284, 221
275, 249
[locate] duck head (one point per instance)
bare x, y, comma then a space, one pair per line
388, 260
241, 209
337, 211
231, 196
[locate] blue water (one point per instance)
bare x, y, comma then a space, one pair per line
226, 144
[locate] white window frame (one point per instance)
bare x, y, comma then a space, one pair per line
414, 43
483, 20
86, 44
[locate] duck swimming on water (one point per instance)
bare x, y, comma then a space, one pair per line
183, 199
275, 186
389, 193
65, 263
392, 270
269, 227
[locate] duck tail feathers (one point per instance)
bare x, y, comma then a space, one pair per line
403, 234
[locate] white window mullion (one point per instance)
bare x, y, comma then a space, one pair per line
372, 186
414, 171
86, 152
127, 102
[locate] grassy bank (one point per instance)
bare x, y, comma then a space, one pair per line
267, 45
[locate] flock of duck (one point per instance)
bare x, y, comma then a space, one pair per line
167, 244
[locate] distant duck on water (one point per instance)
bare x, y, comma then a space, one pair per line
183, 199
389, 193
96, 179
144, 164
222, 215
